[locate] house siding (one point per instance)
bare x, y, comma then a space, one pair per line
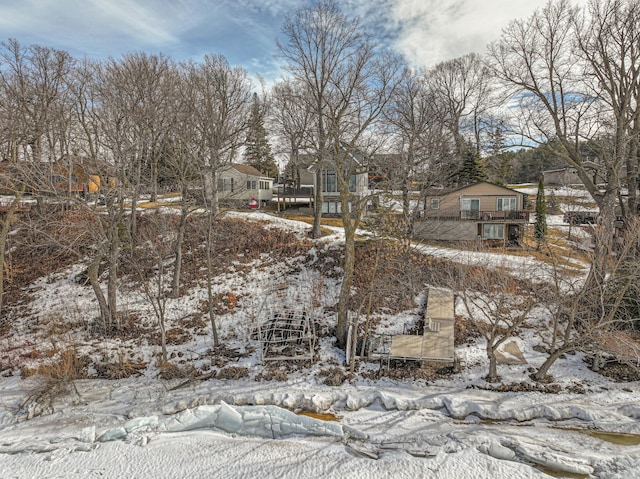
437, 230
240, 192
491, 213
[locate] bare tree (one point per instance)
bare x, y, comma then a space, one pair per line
553, 70
33, 81
219, 99
418, 141
141, 85
463, 91
608, 35
499, 306
290, 118
585, 314
349, 84
148, 261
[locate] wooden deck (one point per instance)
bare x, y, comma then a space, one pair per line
437, 341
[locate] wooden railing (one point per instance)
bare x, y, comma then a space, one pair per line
474, 215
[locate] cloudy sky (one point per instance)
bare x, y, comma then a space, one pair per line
244, 31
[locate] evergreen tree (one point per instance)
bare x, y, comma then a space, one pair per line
540, 228
257, 149
473, 167
553, 207
499, 161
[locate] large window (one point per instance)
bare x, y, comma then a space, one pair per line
470, 208
470, 204
251, 184
507, 204
331, 207
225, 184
329, 181
492, 231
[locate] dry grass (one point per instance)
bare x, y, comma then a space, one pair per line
337, 222
172, 371
55, 377
122, 367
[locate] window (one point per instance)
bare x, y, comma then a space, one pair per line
331, 207
470, 204
506, 204
470, 208
329, 181
251, 184
492, 231
264, 185
225, 184
435, 203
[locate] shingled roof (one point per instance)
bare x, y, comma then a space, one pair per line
247, 169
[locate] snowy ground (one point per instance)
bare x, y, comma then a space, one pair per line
445, 428
390, 430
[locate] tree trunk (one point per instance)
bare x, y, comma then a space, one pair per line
212, 314
493, 363
135, 196
542, 371
175, 283
4, 234
92, 275
345, 289
112, 282
348, 267
317, 206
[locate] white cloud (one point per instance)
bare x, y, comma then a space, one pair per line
424, 31
431, 31
136, 20
274, 8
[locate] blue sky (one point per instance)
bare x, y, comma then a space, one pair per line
244, 31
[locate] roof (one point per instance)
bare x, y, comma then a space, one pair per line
247, 170
447, 191
354, 154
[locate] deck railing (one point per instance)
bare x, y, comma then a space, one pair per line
475, 215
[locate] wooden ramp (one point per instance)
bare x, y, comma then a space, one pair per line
437, 341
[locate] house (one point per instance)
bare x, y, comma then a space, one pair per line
382, 168
358, 182
482, 211
569, 176
326, 175
80, 175
238, 184
304, 173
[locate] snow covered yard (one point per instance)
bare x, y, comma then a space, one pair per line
237, 422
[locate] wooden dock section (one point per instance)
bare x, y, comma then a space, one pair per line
437, 341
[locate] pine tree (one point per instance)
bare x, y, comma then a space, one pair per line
473, 167
553, 207
540, 228
499, 160
257, 149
